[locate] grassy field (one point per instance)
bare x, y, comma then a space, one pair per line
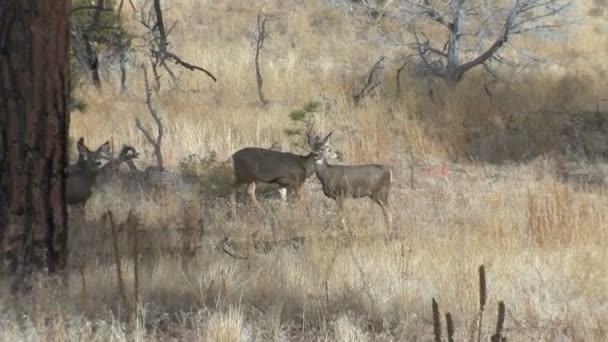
478, 180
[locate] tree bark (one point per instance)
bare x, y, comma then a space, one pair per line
34, 119
454, 45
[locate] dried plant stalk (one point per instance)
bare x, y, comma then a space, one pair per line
436, 321
483, 296
449, 326
500, 323
121, 283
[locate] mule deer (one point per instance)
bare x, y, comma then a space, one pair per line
353, 181
109, 171
288, 170
148, 181
81, 175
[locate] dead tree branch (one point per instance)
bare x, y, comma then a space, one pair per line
155, 142
157, 42
373, 80
406, 60
122, 60
469, 26
260, 36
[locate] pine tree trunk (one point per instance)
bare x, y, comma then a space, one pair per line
34, 61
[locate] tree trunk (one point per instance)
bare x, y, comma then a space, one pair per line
452, 74
34, 62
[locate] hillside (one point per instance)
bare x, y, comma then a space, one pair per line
507, 174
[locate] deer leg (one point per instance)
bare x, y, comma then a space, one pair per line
233, 199
297, 191
283, 192
387, 214
251, 192
340, 203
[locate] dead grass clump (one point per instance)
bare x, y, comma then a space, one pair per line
562, 217
347, 329
212, 176
294, 274
514, 119
227, 326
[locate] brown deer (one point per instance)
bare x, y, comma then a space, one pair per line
288, 170
81, 175
353, 181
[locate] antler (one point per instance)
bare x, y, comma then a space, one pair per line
127, 153
311, 136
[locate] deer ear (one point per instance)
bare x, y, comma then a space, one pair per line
326, 140
105, 147
80, 146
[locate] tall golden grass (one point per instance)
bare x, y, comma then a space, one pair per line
291, 273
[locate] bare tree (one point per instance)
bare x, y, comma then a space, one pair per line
476, 30
156, 40
34, 64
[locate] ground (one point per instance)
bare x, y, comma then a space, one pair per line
478, 181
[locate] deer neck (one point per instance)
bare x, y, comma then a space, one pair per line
87, 173
308, 162
322, 170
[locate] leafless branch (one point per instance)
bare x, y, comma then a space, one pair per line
133, 6
424, 10
168, 69
521, 17
373, 80
177, 60
156, 143
406, 61
422, 49
260, 37
157, 40
122, 60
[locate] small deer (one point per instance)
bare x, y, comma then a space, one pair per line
288, 170
81, 175
353, 181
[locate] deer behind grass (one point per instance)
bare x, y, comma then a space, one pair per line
81, 176
353, 181
288, 170
111, 171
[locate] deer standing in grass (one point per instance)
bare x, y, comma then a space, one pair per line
353, 181
288, 170
81, 176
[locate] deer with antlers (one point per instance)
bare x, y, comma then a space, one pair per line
288, 170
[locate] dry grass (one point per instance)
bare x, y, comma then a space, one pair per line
294, 275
